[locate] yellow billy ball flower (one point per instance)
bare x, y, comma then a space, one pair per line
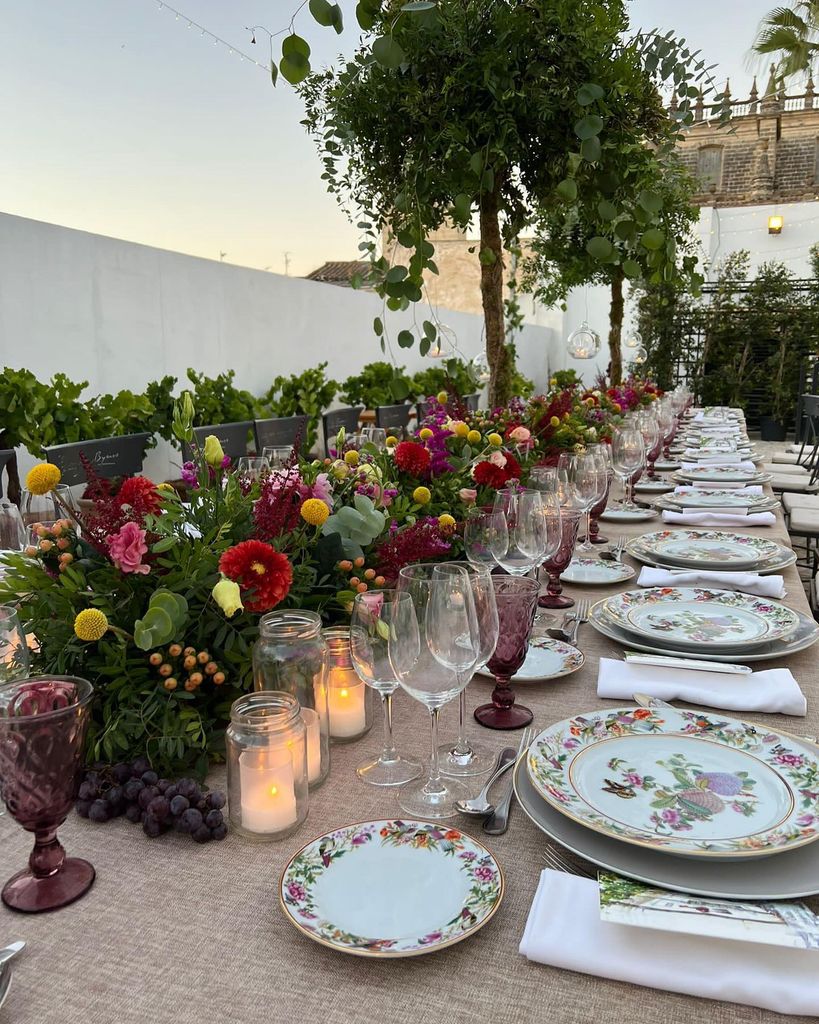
446, 520
425, 434
214, 453
474, 437
442, 397
43, 478
392, 441
459, 428
495, 439
553, 382
351, 457
315, 512
90, 625
422, 495
227, 595
555, 421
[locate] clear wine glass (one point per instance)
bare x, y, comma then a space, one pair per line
377, 615
486, 536
376, 436
653, 437
251, 469
12, 529
543, 479
432, 657
42, 508
277, 456
465, 757
603, 455
628, 456
14, 654
526, 524
588, 480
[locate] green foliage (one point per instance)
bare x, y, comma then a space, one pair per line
377, 384
217, 399
450, 375
791, 35
522, 387
357, 526
160, 394
164, 620
307, 393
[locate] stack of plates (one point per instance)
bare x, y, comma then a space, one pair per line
714, 473
716, 625
704, 499
710, 550
697, 802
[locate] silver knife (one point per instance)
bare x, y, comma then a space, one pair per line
11, 951
690, 664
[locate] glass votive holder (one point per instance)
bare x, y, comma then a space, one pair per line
267, 764
349, 700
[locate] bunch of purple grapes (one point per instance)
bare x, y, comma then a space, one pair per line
136, 791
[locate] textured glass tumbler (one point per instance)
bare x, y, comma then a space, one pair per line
43, 722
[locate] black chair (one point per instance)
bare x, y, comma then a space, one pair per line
6, 455
280, 432
392, 417
471, 401
108, 457
338, 418
231, 436
423, 408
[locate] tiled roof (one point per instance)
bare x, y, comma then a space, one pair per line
339, 272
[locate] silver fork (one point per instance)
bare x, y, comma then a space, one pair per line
557, 861
581, 615
498, 822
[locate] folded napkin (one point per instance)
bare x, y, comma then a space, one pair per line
719, 518
564, 930
709, 457
745, 582
772, 691
729, 461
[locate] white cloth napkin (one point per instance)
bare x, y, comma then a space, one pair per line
772, 691
564, 930
719, 519
745, 582
702, 457
729, 461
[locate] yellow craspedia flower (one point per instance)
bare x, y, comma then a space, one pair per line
442, 397
446, 520
495, 439
474, 437
166, 487
459, 428
555, 421
90, 625
315, 512
351, 457
422, 495
553, 382
425, 434
392, 442
43, 478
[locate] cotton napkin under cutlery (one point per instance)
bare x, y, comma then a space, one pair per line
745, 582
772, 691
719, 519
564, 930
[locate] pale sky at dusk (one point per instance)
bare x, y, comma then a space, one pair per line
119, 119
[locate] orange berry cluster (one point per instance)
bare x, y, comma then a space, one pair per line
54, 544
176, 661
356, 581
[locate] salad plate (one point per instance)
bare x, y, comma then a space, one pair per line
700, 549
340, 889
654, 486
545, 659
788, 876
784, 557
629, 515
682, 782
595, 571
717, 498
718, 474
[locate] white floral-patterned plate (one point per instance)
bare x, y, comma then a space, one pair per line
663, 465
704, 548
391, 888
723, 474
625, 515
654, 486
545, 659
718, 497
784, 557
682, 782
595, 571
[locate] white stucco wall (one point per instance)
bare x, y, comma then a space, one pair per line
119, 315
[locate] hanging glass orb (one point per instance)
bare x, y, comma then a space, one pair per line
444, 344
639, 357
633, 340
584, 343
479, 369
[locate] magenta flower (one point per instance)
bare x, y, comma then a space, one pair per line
633, 779
792, 760
322, 489
297, 892
484, 874
126, 548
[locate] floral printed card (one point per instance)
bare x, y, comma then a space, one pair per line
623, 901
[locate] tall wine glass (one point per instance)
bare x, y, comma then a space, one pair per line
628, 456
432, 657
516, 598
376, 436
251, 469
43, 722
14, 654
486, 536
588, 481
603, 454
667, 421
653, 437
543, 479
42, 508
558, 560
277, 456
375, 616
527, 529
12, 530
465, 757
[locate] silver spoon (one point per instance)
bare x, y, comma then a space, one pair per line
479, 806
11, 951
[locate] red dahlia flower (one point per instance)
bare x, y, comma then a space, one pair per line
141, 494
488, 474
412, 458
264, 574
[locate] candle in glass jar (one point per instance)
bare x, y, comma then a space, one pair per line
312, 724
267, 790
345, 701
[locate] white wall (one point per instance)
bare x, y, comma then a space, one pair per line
725, 230
119, 315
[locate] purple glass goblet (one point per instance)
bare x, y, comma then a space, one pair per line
651, 457
516, 598
569, 523
43, 722
595, 536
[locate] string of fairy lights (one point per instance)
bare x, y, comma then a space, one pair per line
217, 40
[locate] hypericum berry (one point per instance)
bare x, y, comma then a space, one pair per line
196, 678
362, 588
219, 678
345, 565
354, 581
189, 661
358, 562
175, 650
190, 650
189, 686
170, 684
380, 581
165, 669
203, 657
155, 658
211, 668
369, 574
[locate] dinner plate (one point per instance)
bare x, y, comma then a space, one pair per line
391, 888
714, 549
722, 474
654, 486
717, 497
789, 876
805, 635
545, 659
686, 782
620, 515
595, 571
784, 557
662, 465
701, 617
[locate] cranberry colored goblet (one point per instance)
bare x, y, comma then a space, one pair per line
651, 457
43, 722
595, 536
516, 598
569, 523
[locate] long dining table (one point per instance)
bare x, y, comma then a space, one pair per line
177, 933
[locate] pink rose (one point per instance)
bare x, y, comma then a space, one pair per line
468, 495
521, 434
498, 459
126, 548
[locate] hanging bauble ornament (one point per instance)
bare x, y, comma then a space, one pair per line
584, 343
639, 356
633, 340
444, 344
479, 369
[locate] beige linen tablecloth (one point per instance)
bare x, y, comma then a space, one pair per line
176, 933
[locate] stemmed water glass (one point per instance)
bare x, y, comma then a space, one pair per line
277, 456
628, 457
12, 530
603, 455
667, 421
251, 469
653, 437
465, 757
45, 508
376, 436
14, 654
588, 481
486, 536
376, 616
433, 657
516, 598
526, 524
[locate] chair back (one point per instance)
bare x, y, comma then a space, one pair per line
338, 418
108, 456
809, 452
471, 401
392, 417
6, 455
280, 432
231, 436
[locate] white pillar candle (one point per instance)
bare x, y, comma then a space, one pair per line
345, 699
312, 723
267, 789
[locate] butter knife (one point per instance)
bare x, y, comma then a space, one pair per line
690, 664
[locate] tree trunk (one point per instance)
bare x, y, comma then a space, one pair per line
616, 327
497, 353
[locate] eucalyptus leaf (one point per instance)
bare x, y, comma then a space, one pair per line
387, 52
591, 150
567, 189
405, 339
589, 126
588, 93
599, 248
653, 238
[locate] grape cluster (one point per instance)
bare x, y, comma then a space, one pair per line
136, 791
